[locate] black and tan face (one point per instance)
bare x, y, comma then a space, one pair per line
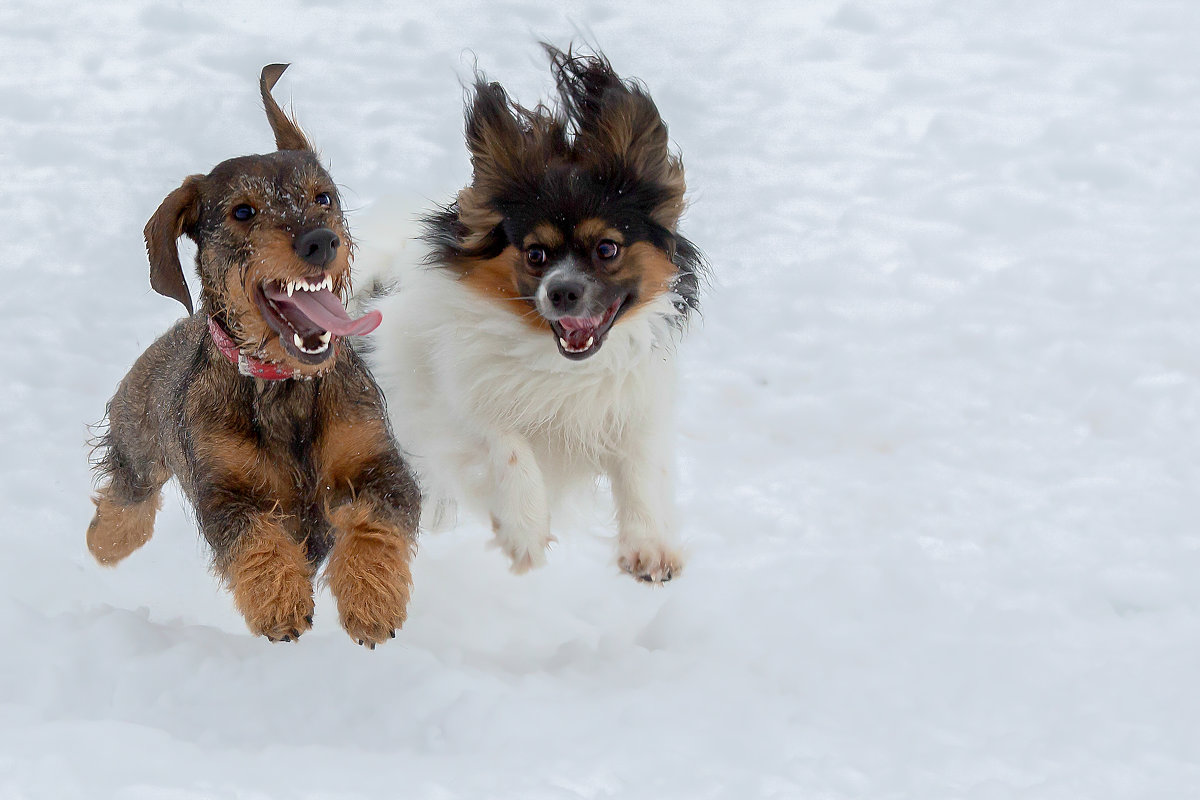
573, 280
570, 220
275, 255
272, 248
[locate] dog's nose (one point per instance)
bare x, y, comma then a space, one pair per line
565, 295
318, 247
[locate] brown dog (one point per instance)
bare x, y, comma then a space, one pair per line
277, 434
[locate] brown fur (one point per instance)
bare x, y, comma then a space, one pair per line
498, 278
368, 574
269, 466
117, 530
654, 272
271, 580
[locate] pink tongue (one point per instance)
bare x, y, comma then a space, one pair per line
326, 312
577, 330
580, 323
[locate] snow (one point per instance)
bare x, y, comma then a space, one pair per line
938, 425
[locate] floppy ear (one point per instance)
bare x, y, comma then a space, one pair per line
287, 132
494, 135
176, 216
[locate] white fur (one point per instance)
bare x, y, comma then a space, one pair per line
494, 418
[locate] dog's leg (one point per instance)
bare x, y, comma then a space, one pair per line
239, 505
130, 495
519, 507
642, 485
125, 509
271, 579
373, 505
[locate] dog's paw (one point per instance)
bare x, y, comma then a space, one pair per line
369, 576
524, 551
371, 621
651, 562
279, 609
372, 598
271, 581
117, 530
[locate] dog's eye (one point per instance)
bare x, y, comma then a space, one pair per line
607, 250
323, 199
243, 212
536, 256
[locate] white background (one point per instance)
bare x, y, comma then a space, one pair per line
938, 430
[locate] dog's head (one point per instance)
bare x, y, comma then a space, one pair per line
273, 251
572, 210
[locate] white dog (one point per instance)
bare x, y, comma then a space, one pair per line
533, 347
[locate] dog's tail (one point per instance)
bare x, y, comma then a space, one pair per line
387, 248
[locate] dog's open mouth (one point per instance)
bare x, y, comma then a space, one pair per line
580, 337
309, 317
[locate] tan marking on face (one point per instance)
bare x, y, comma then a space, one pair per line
590, 232
544, 234
273, 257
655, 272
496, 279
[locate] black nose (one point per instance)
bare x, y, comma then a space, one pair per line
565, 295
318, 247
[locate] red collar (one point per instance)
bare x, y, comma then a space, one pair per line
246, 364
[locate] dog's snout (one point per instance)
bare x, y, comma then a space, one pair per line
566, 295
318, 247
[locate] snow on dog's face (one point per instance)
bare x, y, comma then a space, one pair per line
273, 250
570, 219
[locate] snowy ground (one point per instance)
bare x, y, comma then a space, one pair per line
938, 433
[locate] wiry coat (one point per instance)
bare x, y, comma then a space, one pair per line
282, 474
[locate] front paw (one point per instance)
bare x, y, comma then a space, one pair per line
650, 562
525, 551
272, 586
369, 576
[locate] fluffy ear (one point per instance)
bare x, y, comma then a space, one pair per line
176, 216
494, 136
287, 133
616, 123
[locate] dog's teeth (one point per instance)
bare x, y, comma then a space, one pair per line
590, 342
325, 337
327, 283
564, 344
296, 340
291, 287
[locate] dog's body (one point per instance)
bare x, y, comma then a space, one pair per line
537, 349
279, 440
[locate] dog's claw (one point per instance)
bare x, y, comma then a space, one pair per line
308, 618
651, 565
286, 638
392, 633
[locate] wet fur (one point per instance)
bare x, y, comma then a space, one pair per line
270, 467
480, 396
